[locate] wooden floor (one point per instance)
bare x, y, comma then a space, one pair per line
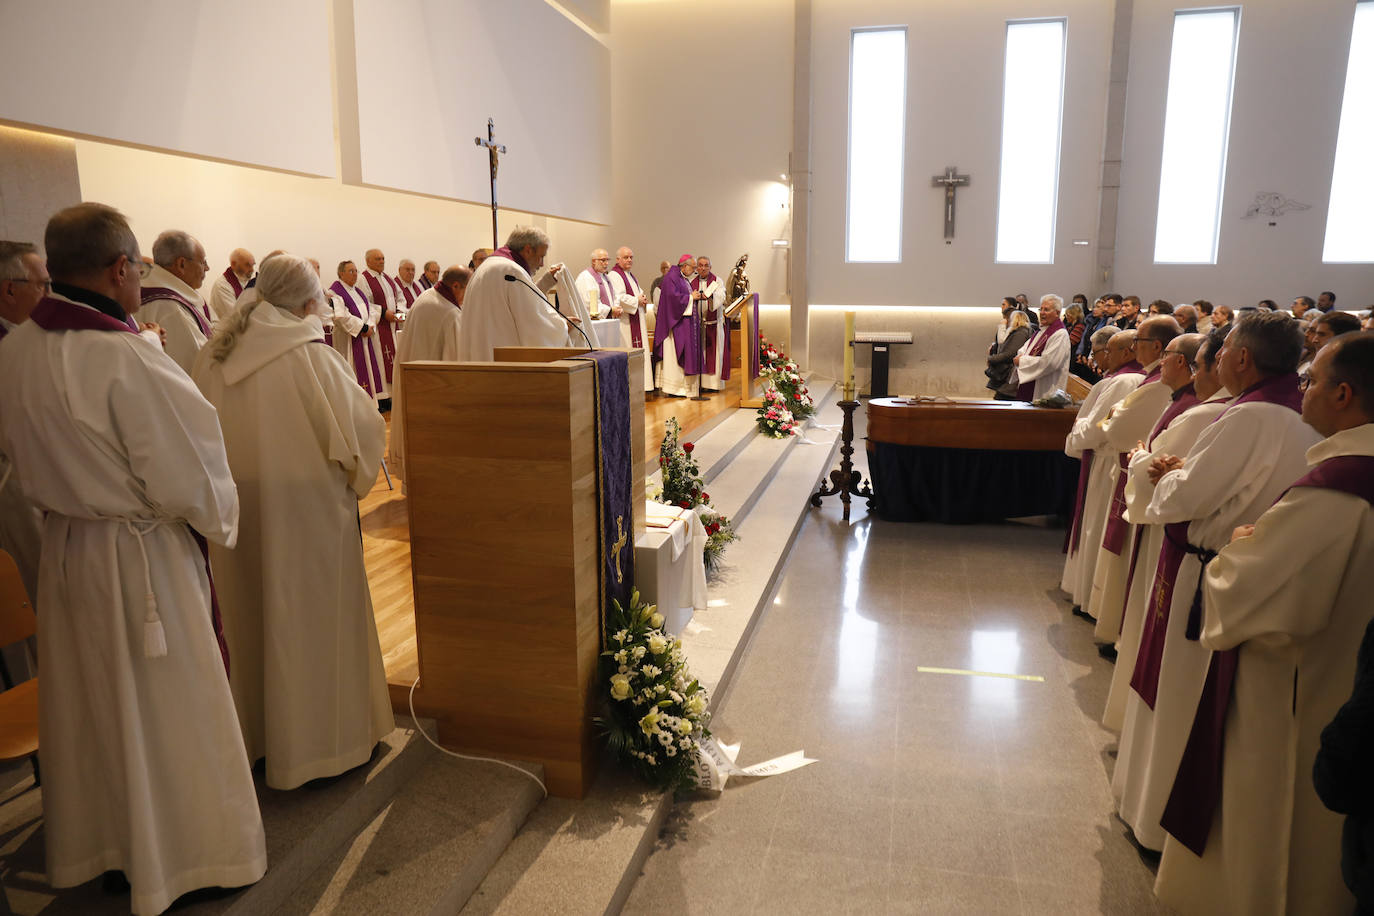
386, 535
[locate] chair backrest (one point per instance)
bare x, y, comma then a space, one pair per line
17, 620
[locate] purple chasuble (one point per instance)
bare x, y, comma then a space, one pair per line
1026, 392
711, 332
152, 293
1193, 801
365, 367
384, 333
674, 297
637, 319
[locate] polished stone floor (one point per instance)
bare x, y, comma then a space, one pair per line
934, 793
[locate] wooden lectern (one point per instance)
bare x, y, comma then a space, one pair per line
501, 481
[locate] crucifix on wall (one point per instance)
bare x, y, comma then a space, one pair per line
493, 148
951, 179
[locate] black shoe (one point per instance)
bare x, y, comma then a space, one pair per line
1079, 612
1107, 651
114, 882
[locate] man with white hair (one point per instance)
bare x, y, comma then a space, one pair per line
384, 293
709, 293
432, 333
430, 275
304, 444
24, 282
636, 316
229, 285
144, 769
595, 288
355, 334
503, 308
171, 298
1042, 363
408, 283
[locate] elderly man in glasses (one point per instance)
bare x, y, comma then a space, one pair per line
170, 295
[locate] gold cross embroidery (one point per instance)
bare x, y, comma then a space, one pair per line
618, 546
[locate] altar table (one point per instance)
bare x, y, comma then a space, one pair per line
669, 570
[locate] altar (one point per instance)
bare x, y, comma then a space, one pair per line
966, 460
669, 567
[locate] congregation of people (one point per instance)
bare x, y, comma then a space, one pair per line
1222, 549
180, 476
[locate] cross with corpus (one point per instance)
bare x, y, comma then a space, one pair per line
493, 148
951, 179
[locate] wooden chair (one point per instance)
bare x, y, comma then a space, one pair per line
19, 704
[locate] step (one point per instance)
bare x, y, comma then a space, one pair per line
303, 827
428, 848
584, 857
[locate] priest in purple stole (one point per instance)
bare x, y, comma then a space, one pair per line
635, 310
385, 294
1286, 602
677, 344
709, 292
1042, 364
354, 322
170, 298
229, 285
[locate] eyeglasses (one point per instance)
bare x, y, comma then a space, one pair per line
45, 284
1306, 382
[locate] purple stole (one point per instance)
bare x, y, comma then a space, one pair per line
1189, 813
384, 333
58, 313
161, 292
710, 329
1026, 392
603, 287
406, 291
448, 296
363, 357
637, 319
234, 283
1184, 399
1114, 532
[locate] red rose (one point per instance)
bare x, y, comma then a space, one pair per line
687, 447
706, 496
685, 504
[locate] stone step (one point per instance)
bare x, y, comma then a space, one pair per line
428, 848
583, 857
304, 827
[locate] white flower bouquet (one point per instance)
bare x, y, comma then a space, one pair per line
657, 712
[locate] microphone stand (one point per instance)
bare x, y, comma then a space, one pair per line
700, 321
512, 278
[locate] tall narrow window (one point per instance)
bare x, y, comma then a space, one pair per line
1197, 122
1349, 230
1032, 112
877, 132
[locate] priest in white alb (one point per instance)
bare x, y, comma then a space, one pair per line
408, 284
1087, 442
1240, 464
709, 292
228, 286
595, 287
432, 332
171, 298
1125, 427
144, 769
385, 294
504, 308
355, 331
1042, 363
636, 314
304, 445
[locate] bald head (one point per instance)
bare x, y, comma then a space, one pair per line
376, 261
242, 262
624, 258
455, 280
1120, 349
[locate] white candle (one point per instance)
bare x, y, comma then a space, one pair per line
848, 356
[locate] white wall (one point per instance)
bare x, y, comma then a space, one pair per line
954, 117
227, 206
425, 93
192, 76
1290, 76
702, 100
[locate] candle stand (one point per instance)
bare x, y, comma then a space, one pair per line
845, 480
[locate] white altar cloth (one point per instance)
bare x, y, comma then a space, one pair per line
669, 570
606, 332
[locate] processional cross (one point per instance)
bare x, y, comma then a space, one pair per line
951, 179
493, 148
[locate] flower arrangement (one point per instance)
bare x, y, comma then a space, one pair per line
787, 401
657, 711
775, 419
683, 487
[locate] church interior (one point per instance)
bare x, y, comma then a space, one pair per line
943, 696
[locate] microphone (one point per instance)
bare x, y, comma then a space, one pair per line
512, 278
